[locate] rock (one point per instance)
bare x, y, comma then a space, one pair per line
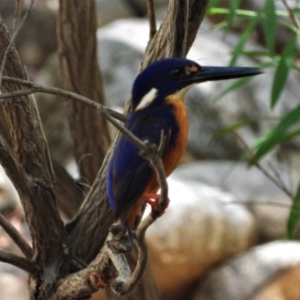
141, 5
250, 187
12, 287
197, 231
108, 11
243, 275
284, 286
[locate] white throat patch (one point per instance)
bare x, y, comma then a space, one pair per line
147, 99
179, 95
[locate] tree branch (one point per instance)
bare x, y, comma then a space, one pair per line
175, 29
69, 194
37, 88
254, 161
153, 154
152, 18
12, 41
20, 262
30, 146
80, 74
16, 237
291, 14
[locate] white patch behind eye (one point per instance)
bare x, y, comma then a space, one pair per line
147, 99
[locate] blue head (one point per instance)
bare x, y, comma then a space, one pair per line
174, 76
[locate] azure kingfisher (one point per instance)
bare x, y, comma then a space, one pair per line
157, 105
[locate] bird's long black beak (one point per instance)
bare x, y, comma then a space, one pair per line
207, 73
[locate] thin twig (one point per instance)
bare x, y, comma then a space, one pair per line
186, 28
16, 14
264, 171
36, 88
277, 176
16, 237
20, 262
152, 18
11, 43
291, 14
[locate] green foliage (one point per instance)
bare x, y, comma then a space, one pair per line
277, 134
284, 66
281, 61
294, 216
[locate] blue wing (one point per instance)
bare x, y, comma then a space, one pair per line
128, 172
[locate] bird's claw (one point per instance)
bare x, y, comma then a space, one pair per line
157, 208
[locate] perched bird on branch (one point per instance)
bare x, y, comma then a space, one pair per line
157, 105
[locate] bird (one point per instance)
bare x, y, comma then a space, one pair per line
157, 105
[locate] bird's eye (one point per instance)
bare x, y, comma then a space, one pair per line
176, 73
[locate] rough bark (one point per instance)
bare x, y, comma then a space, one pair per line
30, 147
80, 74
31, 171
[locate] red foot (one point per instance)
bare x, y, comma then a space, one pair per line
156, 210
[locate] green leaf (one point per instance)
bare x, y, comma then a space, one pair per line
233, 6
237, 125
270, 25
292, 222
254, 53
212, 4
296, 12
243, 39
290, 135
242, 81
237, 84
243, 12
271, 138
283, 69
294, 215
289, 26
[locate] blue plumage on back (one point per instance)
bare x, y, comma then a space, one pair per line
129, 172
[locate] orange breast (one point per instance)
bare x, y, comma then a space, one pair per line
172, 156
